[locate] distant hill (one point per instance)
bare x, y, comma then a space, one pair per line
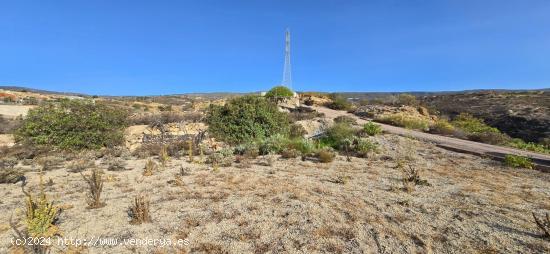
32, 90
357, 95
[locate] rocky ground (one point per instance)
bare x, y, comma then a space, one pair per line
269, 204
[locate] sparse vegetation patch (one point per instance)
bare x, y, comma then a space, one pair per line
518, 161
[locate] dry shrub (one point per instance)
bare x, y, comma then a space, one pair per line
543, 224
267, 160
10, 175
80, 165
297, 130
341, 179
7, 172
23, 151
345, 119
95, 185
150, 167
411, 178
115, 164
116, 151
303, 113
173, 149
49, 162
242, 161
290, 153
164, 157
326, 155
139, 211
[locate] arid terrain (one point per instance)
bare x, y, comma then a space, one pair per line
405, 195
471, 205
523, 115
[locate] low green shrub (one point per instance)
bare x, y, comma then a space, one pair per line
339, 103
345, 119
363, 147
338, 135
406, 99
304, 146
249, 150
518, 161
493, 138
246, 119
273, 145
442, 126
472, 125
372, 129
222, 158
403, 120
73, 124
530, 146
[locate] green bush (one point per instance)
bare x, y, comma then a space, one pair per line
477, 130
273, 144
530, 146
372, 129
472, 125
364, 146
246, 119
442, 126
518, 161
339, 103
279, 93
304, 146
407, 99
493, 138
338, 135
73, 124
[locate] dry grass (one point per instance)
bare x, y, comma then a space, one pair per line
150, 167
326, 156
543, 224
95, 187
139, 211
471, 205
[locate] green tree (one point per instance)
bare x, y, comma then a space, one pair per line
279, 93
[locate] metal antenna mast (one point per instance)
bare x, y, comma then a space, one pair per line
287, 76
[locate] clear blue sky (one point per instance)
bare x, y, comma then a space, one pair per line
162, 47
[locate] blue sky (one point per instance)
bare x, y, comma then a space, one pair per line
164, 47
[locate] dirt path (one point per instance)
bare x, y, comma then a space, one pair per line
542, 161
12, 111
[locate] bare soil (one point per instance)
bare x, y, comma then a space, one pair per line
470, 204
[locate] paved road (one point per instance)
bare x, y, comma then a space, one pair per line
542, 161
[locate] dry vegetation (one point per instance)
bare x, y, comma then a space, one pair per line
351, 190
470, 205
